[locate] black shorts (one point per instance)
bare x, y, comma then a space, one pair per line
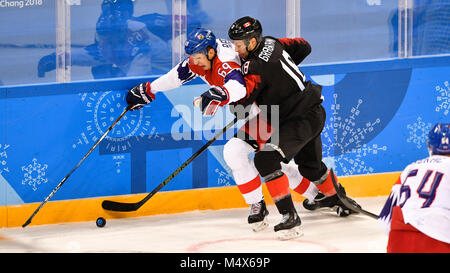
300, 139
297, 139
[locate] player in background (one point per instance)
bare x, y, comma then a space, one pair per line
416, 215
270, 69
127, 45
218, 64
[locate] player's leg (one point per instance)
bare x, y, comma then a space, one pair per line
256, 132
298, 183
236, 154
310, 164
292, 136
248, 140
267, 162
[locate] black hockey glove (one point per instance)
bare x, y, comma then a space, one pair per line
210, 101
139, 96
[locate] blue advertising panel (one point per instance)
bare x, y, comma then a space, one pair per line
378, 117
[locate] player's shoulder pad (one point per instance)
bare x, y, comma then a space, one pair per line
226, 52
253, 66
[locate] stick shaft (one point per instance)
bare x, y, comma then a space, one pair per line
74, 168
194, 156
118, 206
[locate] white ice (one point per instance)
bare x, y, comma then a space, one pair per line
205, 231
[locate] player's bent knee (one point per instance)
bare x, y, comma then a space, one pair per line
267, 162
236, 152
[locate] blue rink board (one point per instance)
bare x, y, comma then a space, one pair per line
378, 117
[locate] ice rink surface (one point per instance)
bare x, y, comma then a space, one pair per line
206, 231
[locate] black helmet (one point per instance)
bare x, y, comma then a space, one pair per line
245, 28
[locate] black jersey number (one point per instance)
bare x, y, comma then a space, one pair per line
289, 66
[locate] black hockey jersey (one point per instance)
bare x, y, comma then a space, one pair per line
273, 78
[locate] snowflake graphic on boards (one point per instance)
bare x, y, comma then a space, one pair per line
224, 178
348, 150
418, 132
34, 174
443, 98
3, 158
118, 160
103, 109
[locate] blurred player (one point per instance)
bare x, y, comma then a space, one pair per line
122, 46
216, 62
126, 45
416, 215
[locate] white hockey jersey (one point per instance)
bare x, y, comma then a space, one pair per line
423, 194
225, 72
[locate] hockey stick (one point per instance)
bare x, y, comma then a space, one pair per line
343, 197
74, 168
119, 206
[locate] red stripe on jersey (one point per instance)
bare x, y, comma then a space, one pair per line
148, 90
327, 187
252, 82
250, 186
290, 41
404, 238
259, 129
278, 187
303, 186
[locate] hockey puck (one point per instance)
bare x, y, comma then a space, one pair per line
101, 222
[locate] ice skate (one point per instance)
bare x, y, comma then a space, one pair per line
342, 210
289, 227
322, 201
319, 201
257, 218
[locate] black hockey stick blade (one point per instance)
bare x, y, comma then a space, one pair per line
27, 223
119, 206
345, 200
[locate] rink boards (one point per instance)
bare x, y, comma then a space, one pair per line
378, 117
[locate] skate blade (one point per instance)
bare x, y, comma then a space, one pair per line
260, 226
289, 234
